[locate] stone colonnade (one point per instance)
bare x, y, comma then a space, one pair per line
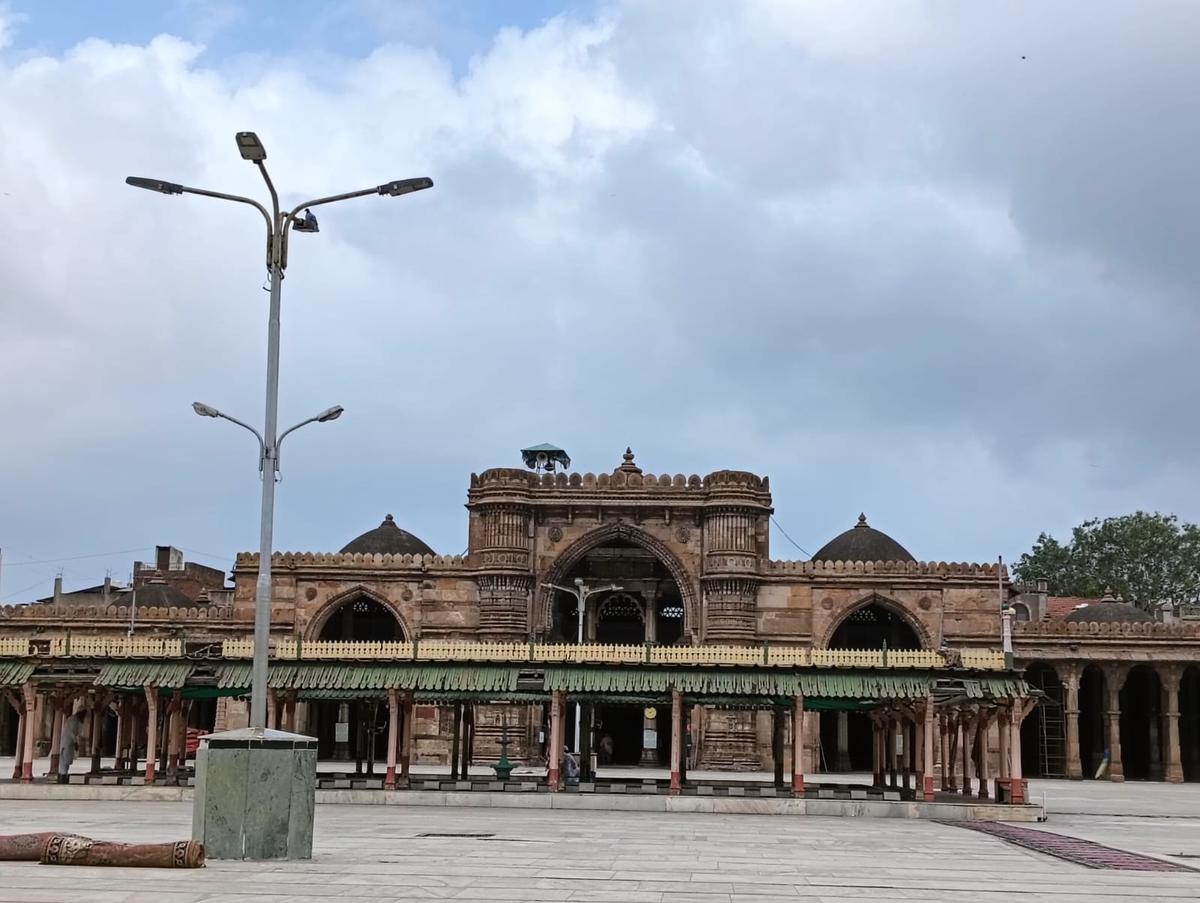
1167, 741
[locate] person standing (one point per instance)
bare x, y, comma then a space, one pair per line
66, 745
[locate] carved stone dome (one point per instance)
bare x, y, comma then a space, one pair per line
863, 543
387, 539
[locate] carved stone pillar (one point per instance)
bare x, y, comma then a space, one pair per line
730, 569
1171, 676
1070, 682
729, 608
505, 581
504, 606
1114, 679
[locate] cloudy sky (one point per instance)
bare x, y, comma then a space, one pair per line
937, 262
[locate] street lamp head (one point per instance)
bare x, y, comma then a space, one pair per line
579, 581
250, 147
154, 185
405, 186
205, 410
332, 414
306, 223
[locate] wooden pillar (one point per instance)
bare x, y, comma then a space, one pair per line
777, 716
406, 741
56, 708
1021, 708
389, 779
798, 746
289, 723
981, 753
586, 732
1171, 678
944, 730
876, 753
456, 740
99, 710
1071, 676
18, 705
174, 729
906, 762
927, 747
118, 752
677, 741
1005, 725
889, 749
151, 732
30, 730
554, 753
468, 756
1114, 680
965, 727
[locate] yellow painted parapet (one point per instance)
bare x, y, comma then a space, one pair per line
14, 647
293, 649
983, 660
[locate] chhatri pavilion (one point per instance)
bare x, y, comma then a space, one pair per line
695, 650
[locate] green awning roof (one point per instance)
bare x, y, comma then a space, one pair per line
144, 674
332, 679
13, 674
725, 683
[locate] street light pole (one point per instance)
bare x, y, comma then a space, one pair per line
279, 224
581, 592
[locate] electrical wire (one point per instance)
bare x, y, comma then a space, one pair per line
789, 539
17, 564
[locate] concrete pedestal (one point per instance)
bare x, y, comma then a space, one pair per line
254, 795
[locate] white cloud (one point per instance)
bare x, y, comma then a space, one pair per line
870, 251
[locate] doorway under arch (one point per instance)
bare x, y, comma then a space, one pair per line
1043, 733
648, 607
846, 736
1141, 725
355, 729
361, 617
874, 626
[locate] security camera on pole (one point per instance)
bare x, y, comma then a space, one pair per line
253, 824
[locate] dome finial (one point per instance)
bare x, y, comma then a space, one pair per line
628, 466
389, 519
862, 520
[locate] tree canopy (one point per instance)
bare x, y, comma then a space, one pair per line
1146, 559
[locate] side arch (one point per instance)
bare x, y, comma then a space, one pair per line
334, 604
891, 605
574, 553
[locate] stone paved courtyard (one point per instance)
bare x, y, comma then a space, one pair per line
379, 853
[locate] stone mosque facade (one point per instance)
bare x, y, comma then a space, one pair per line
688, 562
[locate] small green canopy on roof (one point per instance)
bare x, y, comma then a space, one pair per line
171, 675
13, 674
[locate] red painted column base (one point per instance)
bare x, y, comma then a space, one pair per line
676, 784
553, 780
1020, 791
26, 772
927, 788
389, 780
797, 784
149, 779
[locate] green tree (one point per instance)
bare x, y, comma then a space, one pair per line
1147, 559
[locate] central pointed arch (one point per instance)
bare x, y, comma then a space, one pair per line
576, 551
337, 604
886, 605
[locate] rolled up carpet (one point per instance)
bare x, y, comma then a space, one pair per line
25, 847
69, 849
